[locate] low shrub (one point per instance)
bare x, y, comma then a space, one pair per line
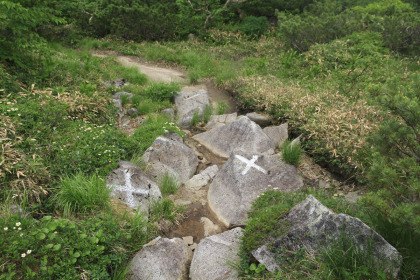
60, 248
161, 91
81, 194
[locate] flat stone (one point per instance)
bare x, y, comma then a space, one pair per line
200, 180
260, 119
213, 254
278, 134
130, 185
167, 156
242, 179
189, 102
188, 240
210, 228
132, 112
220, 120
240, 135
166, 259
315, 227
169, 112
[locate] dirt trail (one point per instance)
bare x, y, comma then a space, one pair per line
165, 74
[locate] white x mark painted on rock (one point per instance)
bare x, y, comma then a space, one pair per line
250, 163
129, 190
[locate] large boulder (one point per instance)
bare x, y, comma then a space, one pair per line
240, 135
315, 227
213, 254
162, 259
129, 184
242, 179
189, 102
172, 157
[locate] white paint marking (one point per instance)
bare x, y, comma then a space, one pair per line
250, 163
129, 190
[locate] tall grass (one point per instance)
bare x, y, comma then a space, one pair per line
81, 194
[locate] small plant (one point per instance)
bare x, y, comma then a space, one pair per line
169, 185
291, 153
195, 119
87, 89
135, 100
221, 108
125, 99
165, 209
193, 76
208, 111
161, 91
81, 194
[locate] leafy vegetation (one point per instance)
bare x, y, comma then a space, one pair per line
342, 73
169, 185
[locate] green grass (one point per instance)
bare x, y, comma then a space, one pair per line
165, 209
346, 259
81, 194
208, 112
221, 108
291, 153
168, 185
196, 119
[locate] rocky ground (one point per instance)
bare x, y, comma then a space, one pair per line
223, 167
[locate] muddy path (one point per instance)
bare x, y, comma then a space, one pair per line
198, 220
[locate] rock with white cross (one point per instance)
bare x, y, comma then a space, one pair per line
190, 102
240, 135
242, 179
169, 155
129, 184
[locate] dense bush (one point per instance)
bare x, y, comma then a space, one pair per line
327, 20
395, 170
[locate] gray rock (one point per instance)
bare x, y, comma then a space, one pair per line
262, 120
132, 112
240, 135
189, 102
173, 136
169, 112
130, 185
278, 134
213, 254
296, 141
163, 259
200, 180
210, 228
118, 83
171, 157
220, 120
242, 179
17, 210
315, 227
141, 121
116, 98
